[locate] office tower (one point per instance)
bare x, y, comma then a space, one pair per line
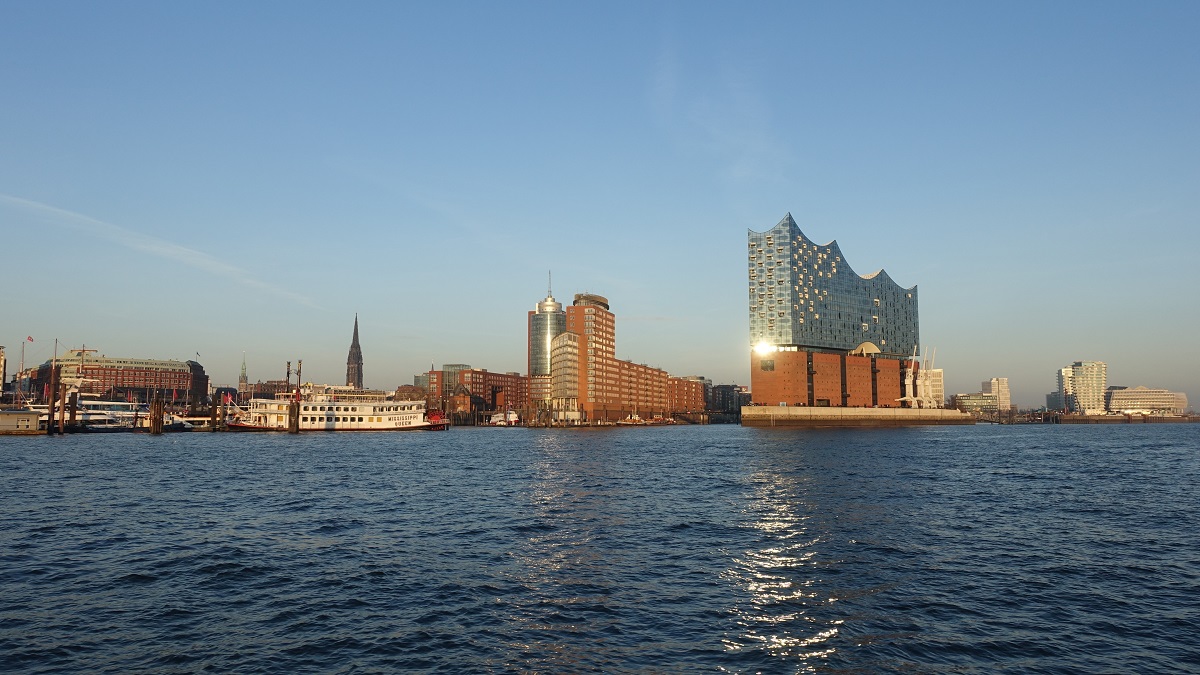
545, 322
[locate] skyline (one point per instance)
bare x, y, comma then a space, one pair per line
222, 179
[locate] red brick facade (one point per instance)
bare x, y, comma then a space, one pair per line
800, 378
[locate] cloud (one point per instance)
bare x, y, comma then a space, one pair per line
150, 245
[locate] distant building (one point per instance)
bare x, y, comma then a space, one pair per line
685, 395
1145, 401
821, 335
497, 391
977, 403
473, 389
998, 387
1054, 401
1081, 386
132, 379
354, 361
729, 398
410, 392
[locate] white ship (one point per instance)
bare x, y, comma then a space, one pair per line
326, 407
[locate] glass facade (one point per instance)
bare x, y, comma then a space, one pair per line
545, 323
806, 295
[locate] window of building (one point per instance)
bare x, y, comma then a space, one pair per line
767, 364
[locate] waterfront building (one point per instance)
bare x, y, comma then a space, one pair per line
686, 394
131, 379
474, 388
998, 387
708, 388
546, 321
497, 391
1081, 386
564, 377
1145, 401
993, 399
354, 361
821, 335
976, 403
422, 380
729, 398
588, 382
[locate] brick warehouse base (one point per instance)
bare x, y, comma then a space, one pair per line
790, 416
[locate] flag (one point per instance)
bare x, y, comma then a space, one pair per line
29, 338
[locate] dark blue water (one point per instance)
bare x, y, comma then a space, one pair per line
966, 550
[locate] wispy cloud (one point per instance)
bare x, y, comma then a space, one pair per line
721, 111
149, 245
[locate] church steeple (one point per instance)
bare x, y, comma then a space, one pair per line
354, 362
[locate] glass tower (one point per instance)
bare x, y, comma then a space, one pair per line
546, 321
805, 295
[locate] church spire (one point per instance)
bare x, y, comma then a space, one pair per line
243, 381
354, 361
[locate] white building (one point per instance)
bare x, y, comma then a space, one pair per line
1145, 401
998, 387
1082, 386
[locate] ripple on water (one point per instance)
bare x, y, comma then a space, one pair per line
696, 548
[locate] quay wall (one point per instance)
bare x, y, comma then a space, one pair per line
1123, 419
803, 416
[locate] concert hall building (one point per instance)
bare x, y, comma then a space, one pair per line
822, 335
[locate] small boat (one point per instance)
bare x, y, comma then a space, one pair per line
507, 418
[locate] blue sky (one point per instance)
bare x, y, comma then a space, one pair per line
220, 178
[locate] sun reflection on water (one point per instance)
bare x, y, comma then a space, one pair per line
778, 580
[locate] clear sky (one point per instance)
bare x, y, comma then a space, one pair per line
228, 177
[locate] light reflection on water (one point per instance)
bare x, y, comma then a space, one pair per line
778, 579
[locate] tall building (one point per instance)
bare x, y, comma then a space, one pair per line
545, 322
1081, 387
354, 362
821, 335
588, 382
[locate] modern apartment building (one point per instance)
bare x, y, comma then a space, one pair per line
1081, 387
820, 334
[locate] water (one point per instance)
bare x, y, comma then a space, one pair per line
720, 549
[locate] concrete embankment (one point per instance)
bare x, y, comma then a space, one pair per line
788, 416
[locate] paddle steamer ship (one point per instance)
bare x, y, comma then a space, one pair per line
324, 407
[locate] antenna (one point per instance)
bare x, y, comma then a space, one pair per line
549, 284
